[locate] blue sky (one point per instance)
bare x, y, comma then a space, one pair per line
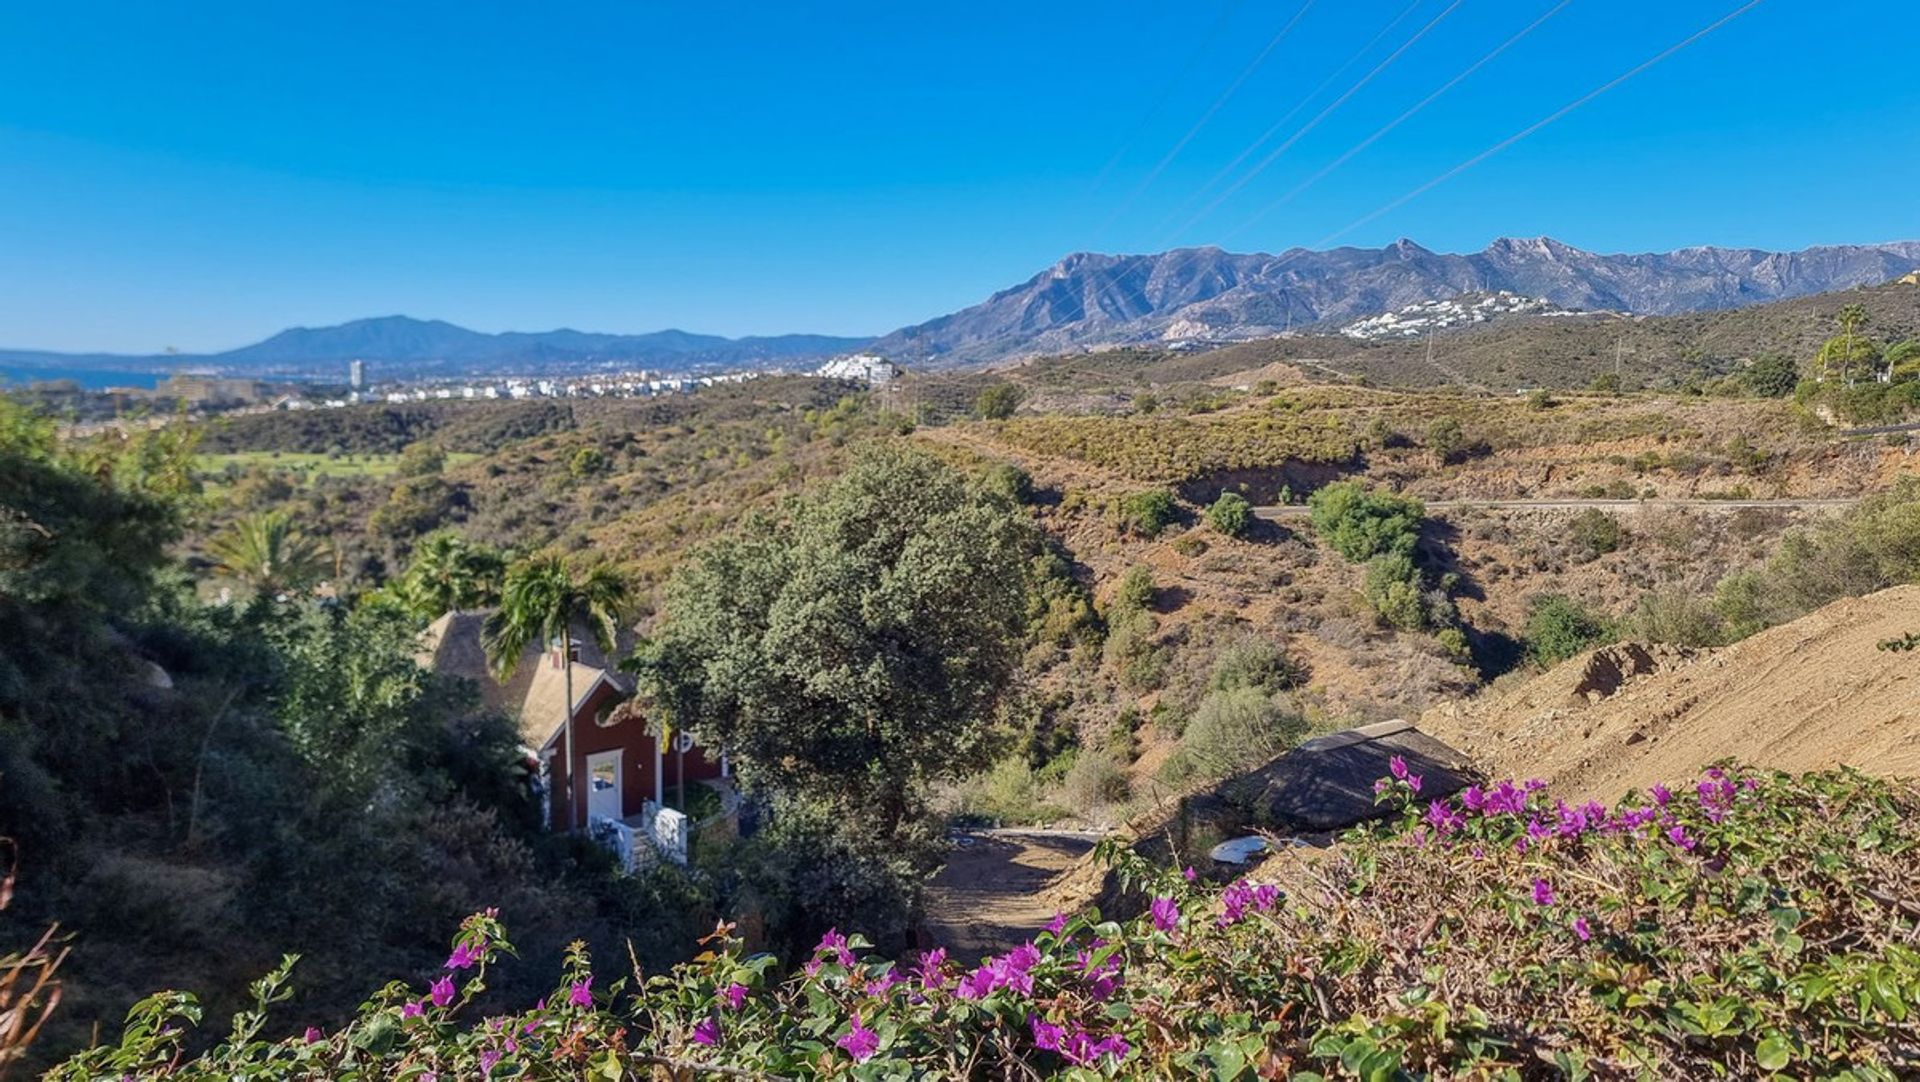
200, 175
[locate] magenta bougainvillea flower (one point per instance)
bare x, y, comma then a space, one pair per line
441, 991
412, 1009
314, 1035
707, 1032
930, 970
1166, 914
1058, 924
735, 994
580, 993
1582, 929
1542, 892
464, 956
859, 1042
1046, 1035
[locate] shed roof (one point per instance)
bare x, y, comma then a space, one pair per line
1327, 783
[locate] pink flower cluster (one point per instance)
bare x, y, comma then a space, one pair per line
1103, 976
1076, 1045
1241, 895
1012, 970
833, 946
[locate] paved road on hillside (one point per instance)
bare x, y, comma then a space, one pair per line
1441, 506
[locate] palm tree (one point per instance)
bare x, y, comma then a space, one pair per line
267, 553
448, 573
540, 602
1851, 317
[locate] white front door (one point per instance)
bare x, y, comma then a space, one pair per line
603, 785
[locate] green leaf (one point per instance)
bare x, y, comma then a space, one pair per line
1773, 1053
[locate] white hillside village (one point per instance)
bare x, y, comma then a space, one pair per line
1458, 311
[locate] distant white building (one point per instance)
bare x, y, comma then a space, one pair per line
868, 368
357, 375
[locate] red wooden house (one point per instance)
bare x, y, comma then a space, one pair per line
618, 766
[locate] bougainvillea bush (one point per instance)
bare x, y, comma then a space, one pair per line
1746, 925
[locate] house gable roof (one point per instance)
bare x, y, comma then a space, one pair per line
533, 696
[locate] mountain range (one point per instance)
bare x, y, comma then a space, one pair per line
1089, 300
400, 345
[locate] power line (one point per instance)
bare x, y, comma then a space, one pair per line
1232, 88
1166, 92
1248, 151
1322, 115
1543, 122
1397, 121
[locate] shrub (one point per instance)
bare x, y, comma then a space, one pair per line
587, 461
1393, 590
1677, 617
998, 402
1252, 661
1560, 627
1592, 534
1130, 648
1236, 729
1360, 523
1095, 779
1772, 375
1009, 481
1445, 438
1147, 513
1231, 514
1134, 591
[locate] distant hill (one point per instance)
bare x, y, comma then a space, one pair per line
1206, 294
403, 345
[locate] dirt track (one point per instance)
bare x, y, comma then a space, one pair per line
1836, 504
991, 895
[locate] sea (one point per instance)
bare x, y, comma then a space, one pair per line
94, 379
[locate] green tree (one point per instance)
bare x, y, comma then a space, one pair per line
542, 601
856, 647
998, 402
1772, 375
421, 459
268, 554
1231, 514
1360, 523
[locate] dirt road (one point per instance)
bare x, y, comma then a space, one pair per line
1832, 504
990, 896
